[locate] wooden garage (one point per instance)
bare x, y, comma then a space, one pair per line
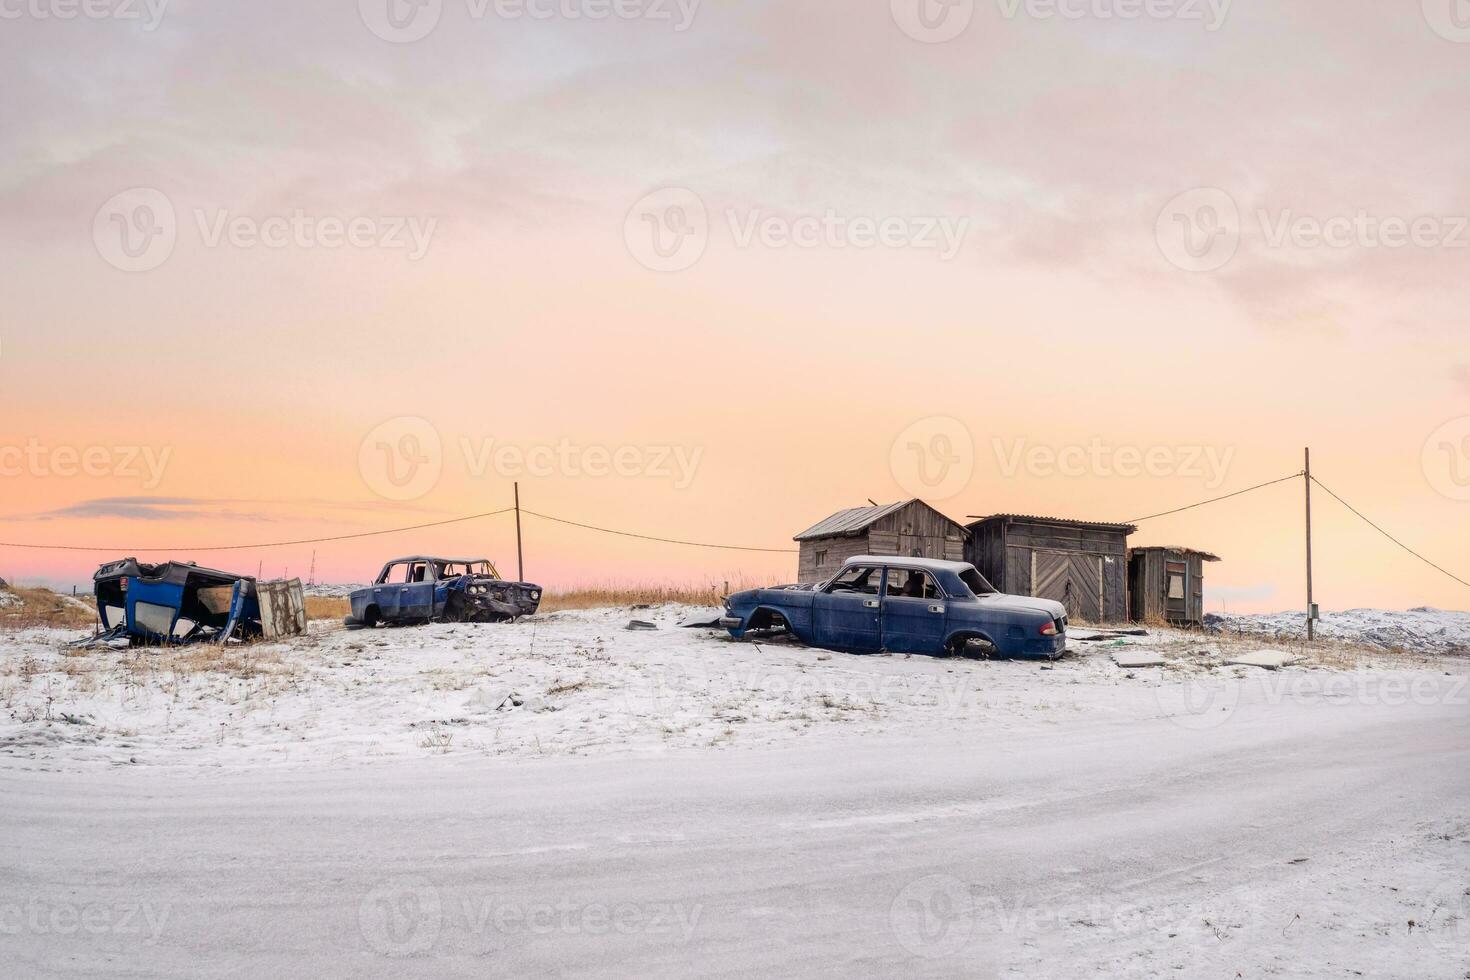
1167, 585
910, 528
1081, 564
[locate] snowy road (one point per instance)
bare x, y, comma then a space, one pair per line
1299, 840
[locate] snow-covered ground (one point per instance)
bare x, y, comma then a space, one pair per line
579, 683
1423, 629
564, 796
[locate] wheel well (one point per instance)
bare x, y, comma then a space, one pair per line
765, 618
957, 641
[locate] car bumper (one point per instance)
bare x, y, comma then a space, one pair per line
731, 622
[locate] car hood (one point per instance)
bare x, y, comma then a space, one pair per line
1022, 603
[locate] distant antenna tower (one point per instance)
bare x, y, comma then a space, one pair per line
311, 575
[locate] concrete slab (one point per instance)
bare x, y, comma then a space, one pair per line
1269, 659
1137, 658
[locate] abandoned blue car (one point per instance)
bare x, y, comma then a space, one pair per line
904, 605
453, 590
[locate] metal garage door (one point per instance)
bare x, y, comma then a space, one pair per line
1076, 581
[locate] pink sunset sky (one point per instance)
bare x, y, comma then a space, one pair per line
711, 271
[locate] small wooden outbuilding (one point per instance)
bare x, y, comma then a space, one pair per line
1081, 564
1167, 584
910, 528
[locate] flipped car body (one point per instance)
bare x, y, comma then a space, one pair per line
428, 589
874, 604
180, 602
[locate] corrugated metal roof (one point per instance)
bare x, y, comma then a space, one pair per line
1206, 555
1129, 528
854, 520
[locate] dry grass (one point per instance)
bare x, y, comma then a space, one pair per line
623, 594
327, 607
42, 607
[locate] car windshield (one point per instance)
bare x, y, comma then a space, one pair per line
454, 569
976, 582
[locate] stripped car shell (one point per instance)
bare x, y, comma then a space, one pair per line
424, 589
903, 605
180, 602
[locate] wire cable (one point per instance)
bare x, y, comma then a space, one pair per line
1212, 500
1387, 535
649, 537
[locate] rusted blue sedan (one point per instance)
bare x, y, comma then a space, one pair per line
904, 605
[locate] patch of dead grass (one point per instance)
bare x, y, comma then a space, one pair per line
42, 607
328, 607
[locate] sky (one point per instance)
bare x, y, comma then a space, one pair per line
711, 271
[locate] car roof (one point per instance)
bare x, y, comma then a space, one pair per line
466, 561
899, 561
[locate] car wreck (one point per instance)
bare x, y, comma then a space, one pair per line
180, 602
425, 589
903, 605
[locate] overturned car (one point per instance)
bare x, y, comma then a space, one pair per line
455, 590
180, 602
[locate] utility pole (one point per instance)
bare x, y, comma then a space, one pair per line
1307, 481
520, 564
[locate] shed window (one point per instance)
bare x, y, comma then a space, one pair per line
822, 557
1176, 585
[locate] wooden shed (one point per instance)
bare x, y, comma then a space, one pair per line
1167, 584
1081, 564
910, 528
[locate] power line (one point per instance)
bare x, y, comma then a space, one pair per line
1212, 500
649, 537
1387, 535
271, 544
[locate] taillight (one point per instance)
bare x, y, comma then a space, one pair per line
1049, 629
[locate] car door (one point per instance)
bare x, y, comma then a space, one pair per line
416, 597
386, 591
847, 613
915, 614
